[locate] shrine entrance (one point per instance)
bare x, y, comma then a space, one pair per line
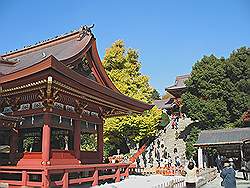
229, 143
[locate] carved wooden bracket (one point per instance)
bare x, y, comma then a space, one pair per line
48, 95
80, 106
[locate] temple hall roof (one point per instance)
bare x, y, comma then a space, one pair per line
61, 47
179, 85
223, 136
72, 60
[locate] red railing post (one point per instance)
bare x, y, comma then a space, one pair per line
127, 171
117, 175
24, 178
66, 179
45, 179
95, 176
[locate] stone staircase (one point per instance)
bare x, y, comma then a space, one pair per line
170, 139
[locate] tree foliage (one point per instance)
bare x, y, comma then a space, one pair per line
123, 68
218, 91
88, 142
156, 95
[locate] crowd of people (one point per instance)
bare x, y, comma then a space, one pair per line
159, 156
227, 173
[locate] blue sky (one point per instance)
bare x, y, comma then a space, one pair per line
169, 35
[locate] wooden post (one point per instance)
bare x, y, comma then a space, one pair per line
95, 176
24, 178
200, 158
77, 139
100, 142
45, 179
46, 140
117, 175
13, 144
66, 179
46, 144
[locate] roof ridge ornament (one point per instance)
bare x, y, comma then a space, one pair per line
85, 30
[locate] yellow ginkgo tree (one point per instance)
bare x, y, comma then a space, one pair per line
123, 68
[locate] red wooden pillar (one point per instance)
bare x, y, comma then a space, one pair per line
46, 140
100, 142
77, 139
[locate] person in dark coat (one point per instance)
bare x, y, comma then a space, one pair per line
228, 176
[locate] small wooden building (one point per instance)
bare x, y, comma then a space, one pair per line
228, 143
176, 91
62, 92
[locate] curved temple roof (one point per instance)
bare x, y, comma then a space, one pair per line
59, 54
61, 48
179, 86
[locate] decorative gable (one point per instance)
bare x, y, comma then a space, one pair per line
83, 67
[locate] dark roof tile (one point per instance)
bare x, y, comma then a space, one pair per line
211, 137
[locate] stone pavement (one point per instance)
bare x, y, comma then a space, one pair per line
239, 180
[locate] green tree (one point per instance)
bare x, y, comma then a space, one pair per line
156, 95
123, 68
217, 93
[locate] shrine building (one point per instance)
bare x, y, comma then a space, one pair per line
54, 96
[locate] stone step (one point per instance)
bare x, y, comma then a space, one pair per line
169, 140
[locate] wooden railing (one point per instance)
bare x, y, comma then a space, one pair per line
64, 175
78, 174
138, 153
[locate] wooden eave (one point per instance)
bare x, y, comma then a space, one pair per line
4, 117
218, 144
98, 91
69, 77
176, 92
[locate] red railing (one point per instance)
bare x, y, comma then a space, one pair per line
138, 153
83, 173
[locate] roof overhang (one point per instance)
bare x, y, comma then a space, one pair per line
88, 88
216, 138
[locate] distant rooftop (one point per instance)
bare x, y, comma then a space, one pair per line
164, 103
179, 86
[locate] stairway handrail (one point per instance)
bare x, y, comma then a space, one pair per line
147, 144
